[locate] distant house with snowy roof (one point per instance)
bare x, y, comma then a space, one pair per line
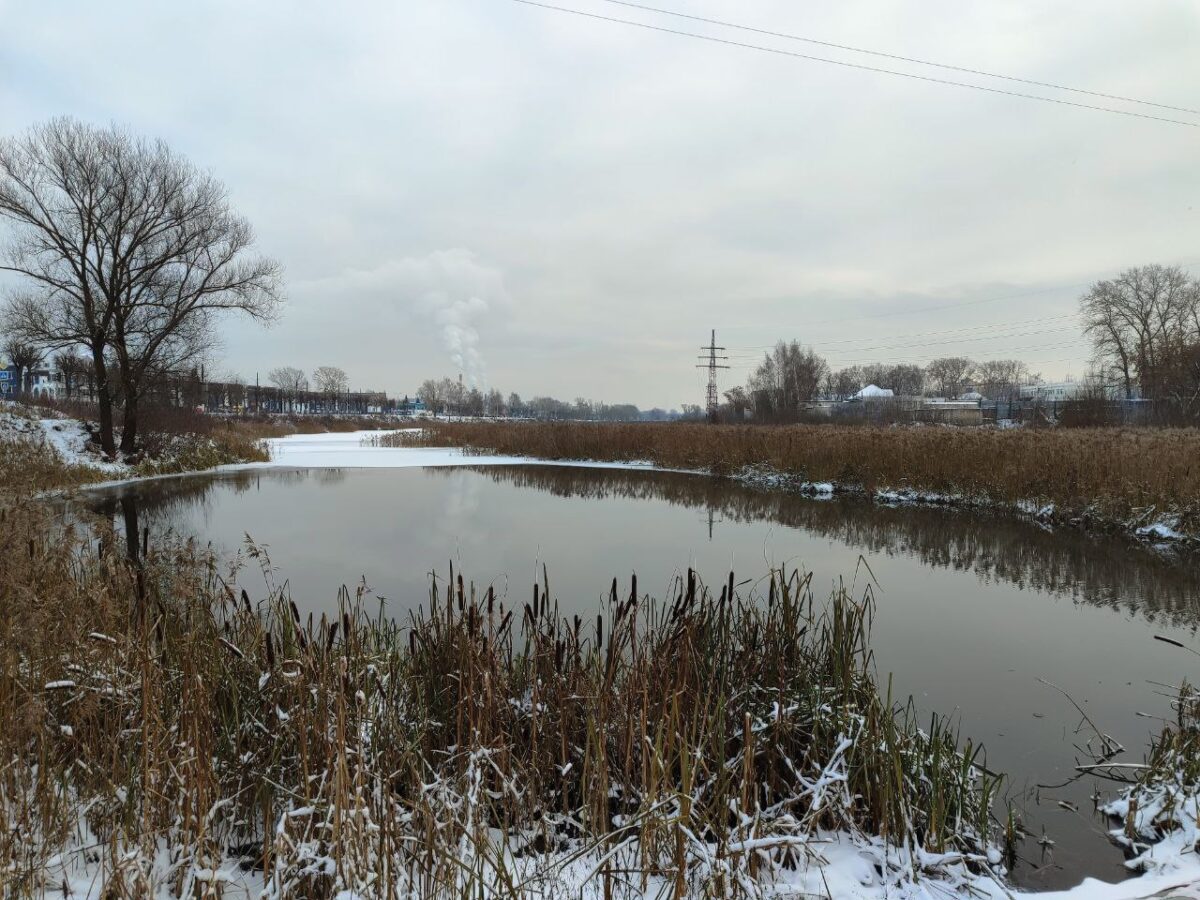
873, 392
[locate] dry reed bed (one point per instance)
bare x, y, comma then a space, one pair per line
162, 728
1108, 474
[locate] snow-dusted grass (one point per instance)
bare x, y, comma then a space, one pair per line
1160, 814
162, 732
42, 449
39, 453
179, 739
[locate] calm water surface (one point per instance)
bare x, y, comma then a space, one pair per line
972, 610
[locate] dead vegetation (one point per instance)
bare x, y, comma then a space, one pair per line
1101, 475
150, 710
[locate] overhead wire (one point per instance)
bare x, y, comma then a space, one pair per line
851, 65
945, 306
1005, 326
908, 59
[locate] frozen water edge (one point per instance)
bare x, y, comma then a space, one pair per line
1162, 532
351, 450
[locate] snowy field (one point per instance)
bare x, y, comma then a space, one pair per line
354, 450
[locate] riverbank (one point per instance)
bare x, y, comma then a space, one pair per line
164, 730
46, 449
1141, 482
76, 701
172, 728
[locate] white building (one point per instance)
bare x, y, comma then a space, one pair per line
43, 384
872, 392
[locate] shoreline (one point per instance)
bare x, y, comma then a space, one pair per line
350, 450
332, 456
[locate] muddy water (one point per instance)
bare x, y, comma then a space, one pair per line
974, 612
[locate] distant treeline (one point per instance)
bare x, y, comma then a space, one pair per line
448, 396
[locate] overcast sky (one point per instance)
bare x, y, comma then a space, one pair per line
563, 205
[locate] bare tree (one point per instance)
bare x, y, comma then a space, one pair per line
1139, 319
999, 379
473, 402
24, 357
787, 377
1181, 380
452, 393
125, 248
949, 375
290, 381
494, 403
906, 380
430, 393
331, 381
73, 367
843, 384
738, 400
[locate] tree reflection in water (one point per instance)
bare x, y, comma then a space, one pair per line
1097, 569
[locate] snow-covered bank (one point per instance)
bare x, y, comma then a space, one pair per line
1150, 526
830, 864
356, 450
69, 438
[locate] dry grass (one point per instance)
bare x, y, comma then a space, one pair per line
175, 440
704, 739
27, 467
1110, 473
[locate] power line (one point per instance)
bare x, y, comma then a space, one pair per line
1069, 345
958, 305
942, 341
908, 59
1006, 326
850, 65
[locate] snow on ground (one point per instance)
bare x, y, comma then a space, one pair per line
842, 867
68, 437
353, 450
1174, 873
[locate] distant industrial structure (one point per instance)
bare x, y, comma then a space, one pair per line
712, 402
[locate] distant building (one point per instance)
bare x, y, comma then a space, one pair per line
872, 392
8, 381
410, 406
1051, 391
43, 384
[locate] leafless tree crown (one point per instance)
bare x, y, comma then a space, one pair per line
125, 248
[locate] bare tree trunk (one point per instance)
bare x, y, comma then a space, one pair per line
104, 401
130, 424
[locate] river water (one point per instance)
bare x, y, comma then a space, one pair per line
975, 612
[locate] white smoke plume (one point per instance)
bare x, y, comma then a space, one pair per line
452, 289
458, 292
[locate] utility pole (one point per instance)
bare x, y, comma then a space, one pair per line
712, 366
